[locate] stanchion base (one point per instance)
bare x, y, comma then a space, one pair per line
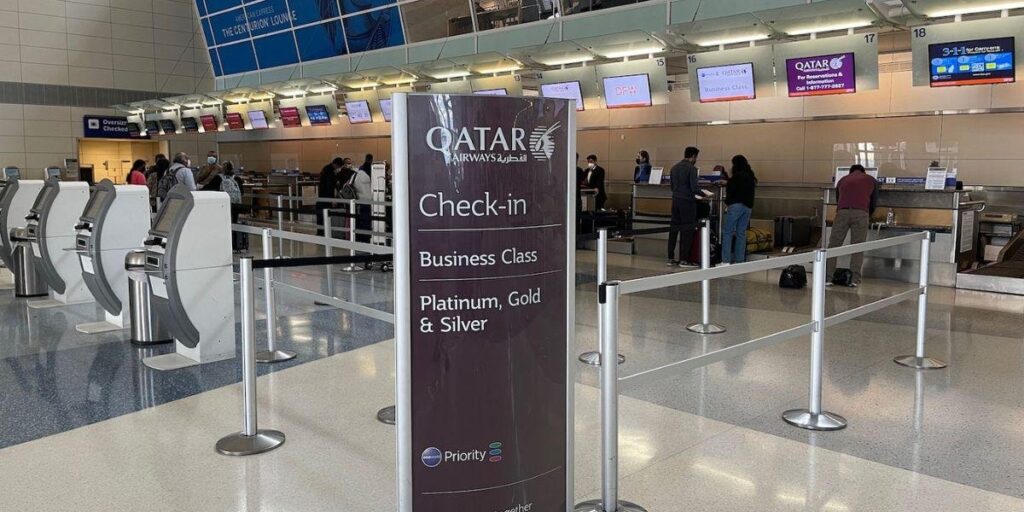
705, 328
594, 358
920, 363
238, 445
352, 268
169, 362
825, 421
277, 356
598, 506
387, 415
98, 328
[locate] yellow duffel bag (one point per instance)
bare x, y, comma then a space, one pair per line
759, 240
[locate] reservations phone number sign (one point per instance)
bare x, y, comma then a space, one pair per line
821, 75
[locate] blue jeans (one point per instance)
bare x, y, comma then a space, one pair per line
734, 236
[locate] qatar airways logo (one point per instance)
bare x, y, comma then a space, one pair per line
821, 65
489, 144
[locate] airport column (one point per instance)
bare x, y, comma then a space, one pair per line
484, 302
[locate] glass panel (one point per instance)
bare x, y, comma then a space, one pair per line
435, 19
312, 11
575, 6
374, 30
354, 6
276, 50
320, 41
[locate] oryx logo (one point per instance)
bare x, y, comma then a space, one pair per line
431, 457
542, 142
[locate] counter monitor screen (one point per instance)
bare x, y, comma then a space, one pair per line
258, 120
982, 61
168, 126
627, 91
358, 112
290, 117
565, 91
209, 123
235, 121
92, 209
733, 82
492, 92
189, 124
385, 108
133, 130
152, 127
167, 214
318, 114
821, 75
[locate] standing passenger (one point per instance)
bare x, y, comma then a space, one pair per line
739, 200
685, 193
210, 169
857, 195
327, 189
642, 171
137, 174
595, 180
364, 192
181, 169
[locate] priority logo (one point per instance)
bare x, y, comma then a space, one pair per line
433, 457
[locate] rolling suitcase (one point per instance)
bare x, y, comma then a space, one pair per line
792, 231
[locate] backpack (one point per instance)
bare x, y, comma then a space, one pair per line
151, 183
348, 190
842, 277
228, 185
168, 181
793, 276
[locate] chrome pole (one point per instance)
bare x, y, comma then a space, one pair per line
280, 225
291, 204
351, 267
609, 335
705, 326
813, 418
593, 358
918, 360
272, 354
329, 251
250, 440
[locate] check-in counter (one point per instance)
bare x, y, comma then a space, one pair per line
652, 208
952, 215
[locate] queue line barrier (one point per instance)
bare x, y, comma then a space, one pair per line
811, 418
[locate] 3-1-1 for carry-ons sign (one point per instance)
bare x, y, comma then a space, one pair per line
484, 277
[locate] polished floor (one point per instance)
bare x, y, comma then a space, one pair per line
84, 426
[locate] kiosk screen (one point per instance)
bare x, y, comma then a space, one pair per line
167, 215
92, 209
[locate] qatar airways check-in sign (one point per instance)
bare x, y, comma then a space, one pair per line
484, 241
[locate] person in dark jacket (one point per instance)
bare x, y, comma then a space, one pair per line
685, 194
857, 195
367, 164
739, 199
594, 178
642, 171
327, 188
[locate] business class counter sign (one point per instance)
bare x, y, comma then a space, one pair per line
484, 302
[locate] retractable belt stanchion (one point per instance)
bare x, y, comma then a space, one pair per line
272, 354
251, 440
705, 326
609, 502
280, 225
329, 251
351, 267
593, 358
813, 418
918, 360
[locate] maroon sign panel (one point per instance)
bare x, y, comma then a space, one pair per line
489, 303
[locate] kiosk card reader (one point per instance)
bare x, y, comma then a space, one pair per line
188, 259
16, 197
115, 221
51, 227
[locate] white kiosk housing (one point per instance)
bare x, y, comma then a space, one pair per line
51, 226
115, 221
188, 259
16, 198
9, 176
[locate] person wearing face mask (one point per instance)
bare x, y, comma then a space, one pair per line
594, 178
642, 171
210, 169
181, 169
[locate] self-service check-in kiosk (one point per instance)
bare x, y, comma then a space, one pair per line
9, 174
115, 221
16, 198
51, 228
188, 260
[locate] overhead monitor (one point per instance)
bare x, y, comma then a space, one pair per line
189, 124
732, 82
235, 121
385, 108
627, 91
565, 91
133, 130
318, 114
152, 127
258, 120
358, 112
168, 125
821, 75
982, 61
209, 123
492, 92
290, 117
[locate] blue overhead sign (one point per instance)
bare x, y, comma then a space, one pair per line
110, 127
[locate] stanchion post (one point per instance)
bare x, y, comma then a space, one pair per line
351, 267
280, 225
813, 418
593, 358
251, 440
609, 502
329, 251
272, 354
705, 326
919, 360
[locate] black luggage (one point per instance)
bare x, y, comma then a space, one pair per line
793, 276
842, 277
792, 231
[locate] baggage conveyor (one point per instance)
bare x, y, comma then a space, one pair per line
1006, 275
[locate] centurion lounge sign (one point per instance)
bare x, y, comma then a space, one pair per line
484, 279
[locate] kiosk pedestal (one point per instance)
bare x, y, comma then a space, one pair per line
51, 227
16, 197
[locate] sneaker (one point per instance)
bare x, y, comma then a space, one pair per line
687, 264
828, 284
672, 263
854, 285
723, 264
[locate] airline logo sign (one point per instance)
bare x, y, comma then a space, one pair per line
493, 144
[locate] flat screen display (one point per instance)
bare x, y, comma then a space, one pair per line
209, 123
733, 82
168, 126
189, 124
821, 75
318, 114
235, 121
565, 91
982, 61
167, 214
133, 130
627, 91
358, 112
492, 92
152, 127
44, 196
385, 108
258, 120
290, 117
92, 209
